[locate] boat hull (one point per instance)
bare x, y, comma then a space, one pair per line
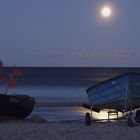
16, 106
120, 93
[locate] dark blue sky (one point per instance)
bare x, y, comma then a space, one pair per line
69, 33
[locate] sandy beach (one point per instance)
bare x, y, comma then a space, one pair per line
66, 130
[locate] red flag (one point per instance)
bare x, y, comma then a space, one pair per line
16, 71
2, 78
1, 64
12, 83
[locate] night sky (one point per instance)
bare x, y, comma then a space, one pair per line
69, 33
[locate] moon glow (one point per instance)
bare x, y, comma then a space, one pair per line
106, 12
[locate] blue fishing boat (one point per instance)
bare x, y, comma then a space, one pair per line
121, 93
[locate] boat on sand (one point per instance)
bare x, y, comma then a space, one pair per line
14, 106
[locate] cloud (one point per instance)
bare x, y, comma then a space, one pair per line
118, 52
125, 52
57, 53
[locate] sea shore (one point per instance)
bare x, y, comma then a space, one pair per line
31, 129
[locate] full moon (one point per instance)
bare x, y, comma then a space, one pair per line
106, 12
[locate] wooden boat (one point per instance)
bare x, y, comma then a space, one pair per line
121, 93
16, 106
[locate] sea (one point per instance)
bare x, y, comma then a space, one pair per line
60, 91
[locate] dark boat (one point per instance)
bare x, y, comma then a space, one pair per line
16, 106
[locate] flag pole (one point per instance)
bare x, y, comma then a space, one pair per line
11, 81
6, 91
